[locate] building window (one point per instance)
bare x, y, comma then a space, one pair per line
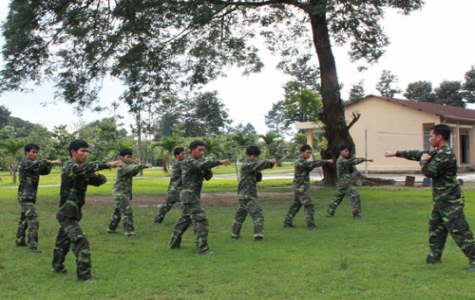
426, 133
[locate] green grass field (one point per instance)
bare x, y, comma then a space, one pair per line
381, 256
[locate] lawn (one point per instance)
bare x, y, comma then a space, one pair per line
381, 256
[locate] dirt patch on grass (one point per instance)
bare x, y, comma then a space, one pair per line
208, 199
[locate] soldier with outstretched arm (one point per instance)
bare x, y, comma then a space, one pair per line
344, 168
447, 214
193, 171
30, 170
301, 187
122, 193
76, 175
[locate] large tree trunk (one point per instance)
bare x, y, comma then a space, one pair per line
333, 118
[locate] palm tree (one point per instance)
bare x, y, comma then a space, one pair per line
271, 139
12, 147
213, 147
166, 146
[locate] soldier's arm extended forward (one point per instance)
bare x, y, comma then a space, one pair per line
354, 161
310, 165
134, 169
208, 164
407, 154
263, 164
83, 169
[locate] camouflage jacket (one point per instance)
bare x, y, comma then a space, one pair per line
192, 178
442, 168
247, 184
344, 168
175, 178
123, 184
302, 168
74, 181
29, 176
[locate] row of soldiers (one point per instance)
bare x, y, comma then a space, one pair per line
185, 186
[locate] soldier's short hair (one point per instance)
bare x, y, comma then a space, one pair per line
76, 145
343, 147
31, 146
442, 130
196, 143
125, 151
253, 150
178, 150
305, 148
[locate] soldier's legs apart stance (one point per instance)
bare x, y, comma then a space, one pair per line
293, 210
450, 219
337, 198
172, 198
239, 218
28, 221
180, 227
70, 233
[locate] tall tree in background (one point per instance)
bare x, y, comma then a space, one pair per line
4, 116
275, 118
420, 91
449, 93
357, 92
204, 114
78, 43
468, 87
385, 84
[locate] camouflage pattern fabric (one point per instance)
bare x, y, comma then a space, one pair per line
70, 233
173, 196
192, 213
447, 214
29, 177
74, 181
122, 193
345, 187
301, 187
247, 193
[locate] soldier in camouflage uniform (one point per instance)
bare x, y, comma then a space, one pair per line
301, 187
122, 193
447, 214
344, 169
193, 171
247, 192
30, 170
174, 188
77, 174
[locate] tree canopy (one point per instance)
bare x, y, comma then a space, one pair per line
77, 44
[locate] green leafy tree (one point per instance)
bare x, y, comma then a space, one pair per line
468, 87
205, 114
357, 92
244, 129
420, 91
272, 141
449, 93
12, 148
166, 145
275, 118
61, 139
111, 38
213, 146
385, 84
4, 116
301, 104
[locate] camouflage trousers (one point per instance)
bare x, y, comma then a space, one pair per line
345, 189
28, 221
122, 211
192, 214
70, 233
172, 198
446, 219
301, 199
248, 205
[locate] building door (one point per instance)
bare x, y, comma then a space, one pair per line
464, 148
